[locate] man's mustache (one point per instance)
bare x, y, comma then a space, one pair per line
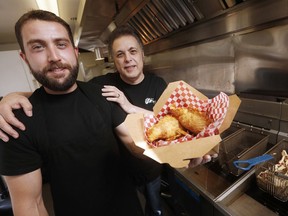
56, 65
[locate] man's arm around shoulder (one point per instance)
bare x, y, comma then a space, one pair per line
10, 102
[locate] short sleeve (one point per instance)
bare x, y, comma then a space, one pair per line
19, 156
118, 114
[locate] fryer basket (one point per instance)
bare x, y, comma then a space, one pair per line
242, 145
267, 178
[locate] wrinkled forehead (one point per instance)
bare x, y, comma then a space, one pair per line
39, 29
125, 42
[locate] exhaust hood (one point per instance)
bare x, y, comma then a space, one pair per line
156, 19
152, 19
167, 24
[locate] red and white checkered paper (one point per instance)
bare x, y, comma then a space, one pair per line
216, 109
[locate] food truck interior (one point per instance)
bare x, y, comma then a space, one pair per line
232, 46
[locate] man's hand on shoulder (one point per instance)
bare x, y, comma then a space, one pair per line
113, 94
7, 118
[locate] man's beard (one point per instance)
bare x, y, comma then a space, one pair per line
52, 83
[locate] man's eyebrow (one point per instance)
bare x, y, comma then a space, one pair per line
43, 41
130, 48
62, 39
119, 51
35, 41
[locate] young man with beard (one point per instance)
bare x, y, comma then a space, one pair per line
71, 133
134, 91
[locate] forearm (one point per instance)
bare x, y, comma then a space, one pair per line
135, 150
25, 94
130, 145
126, 139
135, 109
35, 208
115, 95
26, 194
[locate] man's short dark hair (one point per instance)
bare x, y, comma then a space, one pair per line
39, 15
124, 30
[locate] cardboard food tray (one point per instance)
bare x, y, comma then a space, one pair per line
178, 154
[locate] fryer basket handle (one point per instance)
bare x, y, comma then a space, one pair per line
248, 164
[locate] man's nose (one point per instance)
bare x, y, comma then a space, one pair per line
53, 55
128, 57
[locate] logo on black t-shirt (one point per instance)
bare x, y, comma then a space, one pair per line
149, 101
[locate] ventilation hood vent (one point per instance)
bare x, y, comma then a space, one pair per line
167, 24
156, 19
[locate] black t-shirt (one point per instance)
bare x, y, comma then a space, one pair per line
144, 95
72, 136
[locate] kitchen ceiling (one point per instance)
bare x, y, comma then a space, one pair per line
93, 19
11, 10
87, 18
90, 19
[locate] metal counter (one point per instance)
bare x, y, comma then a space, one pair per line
215, 188
211, 189
224, 196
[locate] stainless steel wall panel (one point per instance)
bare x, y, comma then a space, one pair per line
253, 61
252, 112
284, 118
261, 60
208, 66
255, 107
208, 7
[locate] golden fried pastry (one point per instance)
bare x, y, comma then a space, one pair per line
191, 119
167, 128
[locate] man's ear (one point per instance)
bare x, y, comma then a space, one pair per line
76, 50
23, 56
143, 57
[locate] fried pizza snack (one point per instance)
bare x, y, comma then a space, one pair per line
167, 128
191, 119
